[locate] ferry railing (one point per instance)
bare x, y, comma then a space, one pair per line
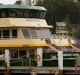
77, 64
26, 58
76, 39
7, 71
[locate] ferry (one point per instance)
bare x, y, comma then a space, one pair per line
25, 43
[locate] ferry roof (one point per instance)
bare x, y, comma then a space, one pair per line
22, 7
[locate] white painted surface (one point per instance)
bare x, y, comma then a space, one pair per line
40, 52
60, 60
7, 57
60, 42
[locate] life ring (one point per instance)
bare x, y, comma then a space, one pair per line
37, 58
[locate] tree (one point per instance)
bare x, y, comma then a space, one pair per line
60, 9
63, 10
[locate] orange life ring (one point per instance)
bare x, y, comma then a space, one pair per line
37, 58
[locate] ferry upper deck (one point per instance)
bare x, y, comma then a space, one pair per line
21, 23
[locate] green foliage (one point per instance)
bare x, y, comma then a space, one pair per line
60, 9
64, 10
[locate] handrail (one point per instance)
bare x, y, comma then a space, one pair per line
76, 40
53, 48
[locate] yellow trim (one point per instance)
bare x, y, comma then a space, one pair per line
37, 45
11, 45
66, 44
23, 45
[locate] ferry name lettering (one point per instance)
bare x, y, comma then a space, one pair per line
33, 20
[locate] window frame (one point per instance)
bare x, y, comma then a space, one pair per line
10, 34
39, 14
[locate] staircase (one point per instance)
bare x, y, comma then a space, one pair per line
77, 44
74, 47
57, 47
52, 47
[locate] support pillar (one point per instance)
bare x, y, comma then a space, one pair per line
7, 57
7, 61
40, 53
60, 61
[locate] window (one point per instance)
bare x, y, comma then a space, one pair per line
40, 33
14, 33
36, 33
6, 34
32, 53
33, 33
14, 54
46, 33
22, 53
0, 33
22, 13
19, 13
1, 52
26, 13
0, 13
26, 33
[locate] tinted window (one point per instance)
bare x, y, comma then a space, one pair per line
6, 34
26, 33
0, 33
14, 33
14, 54
22, 53
22, 13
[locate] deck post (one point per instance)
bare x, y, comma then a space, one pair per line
40, 57
7, 57
60, 61
7, 61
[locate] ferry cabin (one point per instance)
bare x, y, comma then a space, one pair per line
23, 30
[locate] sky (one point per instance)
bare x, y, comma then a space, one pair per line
7, 1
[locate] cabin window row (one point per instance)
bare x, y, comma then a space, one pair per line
16, 13
22, 53
36, 33
8, 33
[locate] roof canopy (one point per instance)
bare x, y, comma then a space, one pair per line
22, 7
